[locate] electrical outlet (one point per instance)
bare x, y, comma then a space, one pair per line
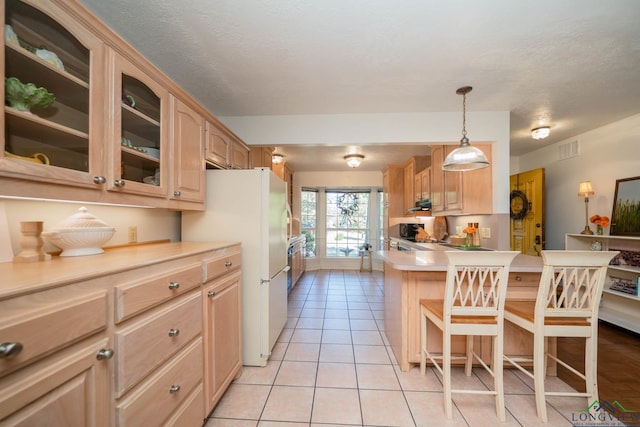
486, 233
458, 230
133, 234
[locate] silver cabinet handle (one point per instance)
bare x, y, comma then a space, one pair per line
176, 194
228, 264
174, 332
9, 350
119, 182
518, 279
211, 294
99, 179
174, 389
104, 354
174, 285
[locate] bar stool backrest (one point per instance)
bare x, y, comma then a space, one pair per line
571, 284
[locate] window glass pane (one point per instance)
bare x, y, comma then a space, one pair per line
347, 223
308, 220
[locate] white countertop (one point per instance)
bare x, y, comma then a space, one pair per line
434, 259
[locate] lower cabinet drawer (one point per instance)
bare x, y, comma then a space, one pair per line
158, 398
46, 321
219, 266
149, 342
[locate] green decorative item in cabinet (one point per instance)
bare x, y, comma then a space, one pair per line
25, 96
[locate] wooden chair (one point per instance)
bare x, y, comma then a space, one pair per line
566, 306
473, 304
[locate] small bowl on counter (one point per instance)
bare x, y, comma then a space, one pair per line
80, 234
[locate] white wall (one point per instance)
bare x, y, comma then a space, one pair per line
152, 224
606, 154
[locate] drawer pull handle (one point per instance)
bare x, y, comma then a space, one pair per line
104, 354
174, 285
518, 279
228, 264
211, 294
174, 332
174, 389
176, 194
10, 349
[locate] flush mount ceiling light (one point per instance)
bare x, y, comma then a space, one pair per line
354, 160
465, 157
277, 158
540, 132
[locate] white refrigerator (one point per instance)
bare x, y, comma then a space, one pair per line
250, 206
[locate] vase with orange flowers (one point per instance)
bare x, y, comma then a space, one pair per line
469, 231
600, 222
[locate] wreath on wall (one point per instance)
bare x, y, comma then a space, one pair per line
519, 205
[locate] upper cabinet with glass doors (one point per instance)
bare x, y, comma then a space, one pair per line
139, 133
52, 97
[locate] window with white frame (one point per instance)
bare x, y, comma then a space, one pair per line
347, 222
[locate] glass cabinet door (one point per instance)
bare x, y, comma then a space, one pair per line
139, 132
52, 85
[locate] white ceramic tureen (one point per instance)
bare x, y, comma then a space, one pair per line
80, 234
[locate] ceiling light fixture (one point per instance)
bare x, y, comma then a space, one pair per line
465, 157
354, 160
540, 132
277, 158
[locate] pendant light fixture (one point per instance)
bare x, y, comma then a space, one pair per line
465, 157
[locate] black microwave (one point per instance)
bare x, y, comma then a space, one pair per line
409, 230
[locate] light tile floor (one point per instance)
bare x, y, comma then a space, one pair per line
332, 366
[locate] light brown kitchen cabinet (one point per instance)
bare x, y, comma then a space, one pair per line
70, 388
117, 339
411, 168
188, 133
460, 192
140, 125
222, 330
261, 157
224, 149
61, 144
110, 135
285, 173
392, 197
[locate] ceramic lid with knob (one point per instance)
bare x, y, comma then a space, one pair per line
82, 219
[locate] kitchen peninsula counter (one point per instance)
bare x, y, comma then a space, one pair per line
410, 276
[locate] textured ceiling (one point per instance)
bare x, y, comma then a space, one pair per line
572, 64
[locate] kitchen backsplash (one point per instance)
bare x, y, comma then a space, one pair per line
151, 224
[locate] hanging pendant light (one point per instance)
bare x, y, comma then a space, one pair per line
465, 157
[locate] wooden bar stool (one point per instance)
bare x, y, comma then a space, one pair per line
473, 304
365, 252
566, 306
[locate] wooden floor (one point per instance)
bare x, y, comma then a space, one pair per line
618, 364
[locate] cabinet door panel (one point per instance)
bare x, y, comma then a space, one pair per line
138, 133
223, 336
54, 144
218, 146
62, 391
188, 153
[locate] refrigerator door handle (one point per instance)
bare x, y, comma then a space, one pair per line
285, 269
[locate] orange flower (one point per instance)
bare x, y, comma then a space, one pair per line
469, 230
602, 221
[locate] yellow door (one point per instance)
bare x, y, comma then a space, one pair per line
527, 212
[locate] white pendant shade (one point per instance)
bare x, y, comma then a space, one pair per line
465, 158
